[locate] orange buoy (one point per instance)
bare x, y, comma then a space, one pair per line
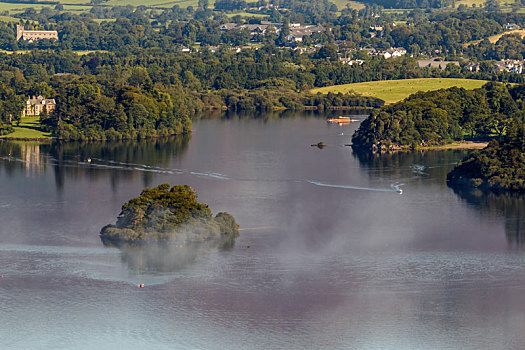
141, 285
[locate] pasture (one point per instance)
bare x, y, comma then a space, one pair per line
392, 91
29, 128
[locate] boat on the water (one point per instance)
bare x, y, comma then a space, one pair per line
341, 120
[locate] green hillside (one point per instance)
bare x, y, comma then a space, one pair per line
392, 91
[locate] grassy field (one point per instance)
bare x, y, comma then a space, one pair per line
341, 4
87, 52
29, 128
8, 19
494, 38
392, 91
156, 3
505, 4
4, 6
11, 52
469, 3
245, 14
84, 5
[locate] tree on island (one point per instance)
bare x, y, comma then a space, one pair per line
164, 214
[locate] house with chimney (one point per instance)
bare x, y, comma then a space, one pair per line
35, 106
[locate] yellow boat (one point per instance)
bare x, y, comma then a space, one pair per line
340, 120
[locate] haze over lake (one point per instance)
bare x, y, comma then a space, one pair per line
330, 255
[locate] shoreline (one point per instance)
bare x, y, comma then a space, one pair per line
472, 145
39, 139
458, 145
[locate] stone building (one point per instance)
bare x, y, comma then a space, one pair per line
31, 35
37, 105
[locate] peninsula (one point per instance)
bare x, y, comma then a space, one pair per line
440, 118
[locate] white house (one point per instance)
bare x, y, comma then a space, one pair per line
394, 52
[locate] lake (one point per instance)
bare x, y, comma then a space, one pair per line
330, 254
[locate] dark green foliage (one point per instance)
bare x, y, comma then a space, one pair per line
11, 105
162, 213
229, 5
90, 110
499, 167
440, 117
6, 128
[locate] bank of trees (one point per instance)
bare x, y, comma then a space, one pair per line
499, 167
440, 117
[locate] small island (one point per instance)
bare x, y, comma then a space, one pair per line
500, 167
169, 214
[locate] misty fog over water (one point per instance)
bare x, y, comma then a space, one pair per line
330, 254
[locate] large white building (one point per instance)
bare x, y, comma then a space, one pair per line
37, 105
31, 35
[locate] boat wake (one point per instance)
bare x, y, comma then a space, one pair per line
115, 165
395, 187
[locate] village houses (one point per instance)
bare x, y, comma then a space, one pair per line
297, 31
394, 52
391, 52
512, 66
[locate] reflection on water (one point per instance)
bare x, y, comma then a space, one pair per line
358, 113
428, 165
73, 159
509, 206
433, 166
155, 258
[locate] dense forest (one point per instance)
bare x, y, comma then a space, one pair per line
440, 117
499, 167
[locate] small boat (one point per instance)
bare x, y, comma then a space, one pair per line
340, 120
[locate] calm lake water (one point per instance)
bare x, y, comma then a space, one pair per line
331, 256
